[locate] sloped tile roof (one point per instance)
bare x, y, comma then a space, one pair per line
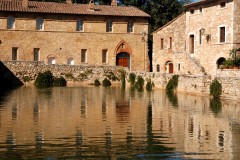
64, 8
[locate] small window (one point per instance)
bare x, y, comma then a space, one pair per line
104, 56
200, 37
79, 25
161, 44
191, 44
10, 22
179, 67
14, 53
158, 68
39, 23
36, 54
170, 42
83, 56
70, 61
200, 9
223, 4
109, 26
51, 60
130, 27
222, 34
192, 11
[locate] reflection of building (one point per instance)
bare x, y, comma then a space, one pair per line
199, 40
66, 33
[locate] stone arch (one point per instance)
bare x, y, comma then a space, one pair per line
123, 53
70, 61
220, 62
169, 66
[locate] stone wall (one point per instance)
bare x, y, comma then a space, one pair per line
79, 74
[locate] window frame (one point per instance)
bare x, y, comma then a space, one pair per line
161, 43
36, 50
130, 27
10, 22
39, 24
220, 39
15, 53
104, 56
170, 43
109, 26
83, 56
79, 25
191, 43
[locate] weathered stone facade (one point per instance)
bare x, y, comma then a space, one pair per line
200, 44
59, 42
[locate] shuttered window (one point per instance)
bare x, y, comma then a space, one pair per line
222, 34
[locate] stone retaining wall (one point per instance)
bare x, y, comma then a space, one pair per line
87, 74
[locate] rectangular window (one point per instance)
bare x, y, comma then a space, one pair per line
36, 54
83, 56
10, 22
179, 67
223, 4
158, 68
161, 45
170, 42
109, 26
222, 34
200, 9
130, 27
14, 53
39, 23
200, 37
104, 56
79, 25
191, 44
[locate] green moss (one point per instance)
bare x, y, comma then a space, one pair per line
44, 80
26, 79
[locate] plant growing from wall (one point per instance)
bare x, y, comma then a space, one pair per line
26, 79
110, 75
59, 82
123, 77
172, 83
139, 83
215, 88
44, 79
132, 79
149, 85
106, 82
97, 82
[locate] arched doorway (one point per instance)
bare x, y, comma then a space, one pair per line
169, 67
123, 59
220, 62
70, 61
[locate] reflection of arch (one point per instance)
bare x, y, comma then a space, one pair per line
169, 67
70, 61
51, 60
220, 62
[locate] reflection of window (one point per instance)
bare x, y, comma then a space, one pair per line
79, 25
130, 27
39, 23
222, 34
14, 53
70, 61
36, 54
10, 22
83, 56
104, 56
51, 60
109, 26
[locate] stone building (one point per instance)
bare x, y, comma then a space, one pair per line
199, 40
74, 34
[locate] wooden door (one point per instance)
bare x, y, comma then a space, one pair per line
170, 67
123, 62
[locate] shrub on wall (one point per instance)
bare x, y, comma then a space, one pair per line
132, 78
97, 82
140, 83
123, 77
216, 88
172, 83
149, 85
106, 82
59, 82
44, 79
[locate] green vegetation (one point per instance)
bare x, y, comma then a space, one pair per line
149, 85
59, 82
123, 77
215, 89
172, 83
47, 79
233, 60
139, 83
110, 75
106, 82
97, 82
132, 79
215, 106
26, 79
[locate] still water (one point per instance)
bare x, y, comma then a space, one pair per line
111, 123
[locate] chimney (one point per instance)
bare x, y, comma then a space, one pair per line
24, 3
114, 3
91, 5
69, 1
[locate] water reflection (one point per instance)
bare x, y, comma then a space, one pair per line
216, 106
111, 123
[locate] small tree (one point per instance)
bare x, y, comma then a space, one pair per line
215, 89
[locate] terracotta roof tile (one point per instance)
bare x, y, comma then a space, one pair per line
64, 8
